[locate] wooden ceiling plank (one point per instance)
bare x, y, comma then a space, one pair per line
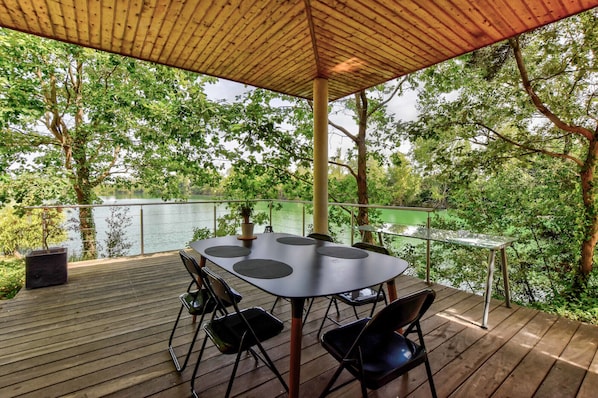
480, 25
95, 23
408, 22
401, 20
508, 18
375, 56
284, 65
69, 20
244, 15
279, 33
158, 10
251, 42
438, 21
107, 11
178, 26
143, 33
165, 18
230, 21
133, 24
355, 67
203, 19
119, 27
45, 20
14, 16
351, 25
81, 14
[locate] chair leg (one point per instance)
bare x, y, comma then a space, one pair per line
170, 347
430, 378
203, 346
380, 292
232, 376
178, 367
328, 387
274, 304
268, 362
325, 317
311, 302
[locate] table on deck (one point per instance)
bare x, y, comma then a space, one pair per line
317, 269
463, 238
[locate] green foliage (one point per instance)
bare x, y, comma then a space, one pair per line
90, 118
116, 243
12, 277
22, 232
505, 166
568, 303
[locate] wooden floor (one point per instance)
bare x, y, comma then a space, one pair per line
105, 333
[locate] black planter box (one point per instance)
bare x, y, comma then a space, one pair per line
46, 268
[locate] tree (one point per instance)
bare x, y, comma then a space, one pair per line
274, 137
92, 118
534, 95
374, 137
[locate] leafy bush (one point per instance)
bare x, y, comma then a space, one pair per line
19, 233
12, 277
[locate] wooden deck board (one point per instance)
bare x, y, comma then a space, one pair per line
105, 333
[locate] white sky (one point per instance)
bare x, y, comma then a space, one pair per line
403, 107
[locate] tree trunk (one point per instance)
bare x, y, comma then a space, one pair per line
362, 183
588, 244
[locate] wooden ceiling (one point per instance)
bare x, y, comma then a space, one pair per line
282, 45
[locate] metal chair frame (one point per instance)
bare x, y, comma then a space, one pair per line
374, 352
231, 324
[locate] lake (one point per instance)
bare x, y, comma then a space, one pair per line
157, 226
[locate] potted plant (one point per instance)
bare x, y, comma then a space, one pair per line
48, 266
245, 211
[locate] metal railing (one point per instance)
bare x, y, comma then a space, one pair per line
152, 227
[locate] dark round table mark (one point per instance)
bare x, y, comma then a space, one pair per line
263, 268
298, 241
342, 252
227, 251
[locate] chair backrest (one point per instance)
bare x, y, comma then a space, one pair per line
192, 267
371, 247
268, 229
404, 311
219, 289
320, 236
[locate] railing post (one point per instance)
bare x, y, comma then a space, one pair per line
352, 225
141, 226
214, 218
303, 220
428, 251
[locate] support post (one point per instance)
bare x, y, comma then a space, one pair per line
320, 155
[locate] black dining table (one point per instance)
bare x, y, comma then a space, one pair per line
299, 268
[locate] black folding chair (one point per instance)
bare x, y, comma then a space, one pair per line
374, 352
197, 302
358, 298
237, 331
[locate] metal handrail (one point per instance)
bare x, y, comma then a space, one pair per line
216, 203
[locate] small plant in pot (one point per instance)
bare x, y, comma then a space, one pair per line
246, 211
47, 266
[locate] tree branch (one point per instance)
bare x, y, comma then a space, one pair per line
514, 42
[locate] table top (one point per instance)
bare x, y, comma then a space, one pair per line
298, 267
464, 238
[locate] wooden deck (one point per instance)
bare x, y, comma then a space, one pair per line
105, 333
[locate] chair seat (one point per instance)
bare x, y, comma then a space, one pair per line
197, 302
360, 297
227, 332
385, 355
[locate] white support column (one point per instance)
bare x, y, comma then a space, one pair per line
321, 155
